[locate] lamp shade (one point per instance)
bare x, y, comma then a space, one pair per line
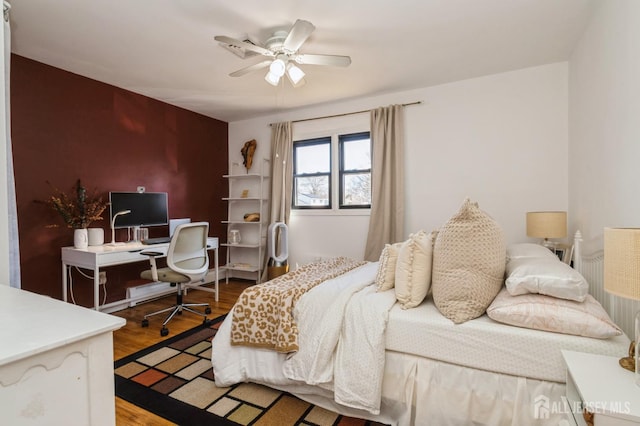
622, 262
547, 224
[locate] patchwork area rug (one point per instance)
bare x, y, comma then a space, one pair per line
174, 380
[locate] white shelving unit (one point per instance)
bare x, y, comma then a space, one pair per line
246, 259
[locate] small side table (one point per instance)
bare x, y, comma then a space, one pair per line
598, 389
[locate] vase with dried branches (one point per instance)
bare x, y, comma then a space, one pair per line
78, 210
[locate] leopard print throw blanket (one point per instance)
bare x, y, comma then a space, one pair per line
263, 314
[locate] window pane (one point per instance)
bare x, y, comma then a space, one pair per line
312, 191
313, 159
357, 189
357, 154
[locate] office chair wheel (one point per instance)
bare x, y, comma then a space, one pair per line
207, 311
206, 321
164, 331
145, 322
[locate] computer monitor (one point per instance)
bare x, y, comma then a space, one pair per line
147, 208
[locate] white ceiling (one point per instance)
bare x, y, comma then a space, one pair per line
164, 49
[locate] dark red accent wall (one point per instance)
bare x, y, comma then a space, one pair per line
65, 126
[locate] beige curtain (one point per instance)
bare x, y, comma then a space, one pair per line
386, 224
281, 176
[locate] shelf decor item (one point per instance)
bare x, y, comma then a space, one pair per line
252, 217
247, 152
234, 236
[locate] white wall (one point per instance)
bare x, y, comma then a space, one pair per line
501, 140
604, 123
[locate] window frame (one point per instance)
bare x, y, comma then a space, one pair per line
305, 143
335, 176
342, 172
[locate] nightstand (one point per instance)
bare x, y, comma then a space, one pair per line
597, 384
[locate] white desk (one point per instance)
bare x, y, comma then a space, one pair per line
56, 362
95, 257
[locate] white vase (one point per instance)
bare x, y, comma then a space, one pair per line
96, 236
80, 238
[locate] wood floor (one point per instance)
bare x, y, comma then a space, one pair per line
132, 337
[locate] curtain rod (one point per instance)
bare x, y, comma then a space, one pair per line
344, 114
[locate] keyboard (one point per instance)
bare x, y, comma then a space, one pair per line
157, 240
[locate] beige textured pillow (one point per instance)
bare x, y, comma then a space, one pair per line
548, 313
386, 275
413, 270
469, 258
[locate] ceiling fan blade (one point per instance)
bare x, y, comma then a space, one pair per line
298, 34
243, 45
254, 67
333, 60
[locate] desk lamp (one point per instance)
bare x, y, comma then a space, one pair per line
622, 278
547, 225
113, 226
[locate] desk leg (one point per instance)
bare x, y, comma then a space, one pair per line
64, 282
215, 261
96, 288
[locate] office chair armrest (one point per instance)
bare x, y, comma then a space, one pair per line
152, 253
152, 259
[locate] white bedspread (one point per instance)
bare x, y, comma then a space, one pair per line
342, 339
341, 353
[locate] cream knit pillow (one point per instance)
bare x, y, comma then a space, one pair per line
386, 275
469, 258
413, 269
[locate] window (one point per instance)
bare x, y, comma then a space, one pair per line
355, 171
316, 172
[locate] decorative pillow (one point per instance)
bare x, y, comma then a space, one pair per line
546, 313
413, 269
386, 275
469, 259
545, 276
518, 250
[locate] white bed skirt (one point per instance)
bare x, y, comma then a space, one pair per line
419, 391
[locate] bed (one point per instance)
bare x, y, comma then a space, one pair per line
410, 366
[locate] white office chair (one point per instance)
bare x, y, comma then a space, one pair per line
187, 266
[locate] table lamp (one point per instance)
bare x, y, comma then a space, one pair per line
547, 225
113, 226
622, 278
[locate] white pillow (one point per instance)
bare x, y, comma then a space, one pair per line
386, 275
545, 276
518, 250
413, 270
546, 313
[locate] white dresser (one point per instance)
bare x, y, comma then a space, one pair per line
56, 362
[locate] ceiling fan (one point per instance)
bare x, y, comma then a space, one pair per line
282, 50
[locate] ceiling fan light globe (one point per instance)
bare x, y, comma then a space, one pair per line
272, 79
295, 74
277, 67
